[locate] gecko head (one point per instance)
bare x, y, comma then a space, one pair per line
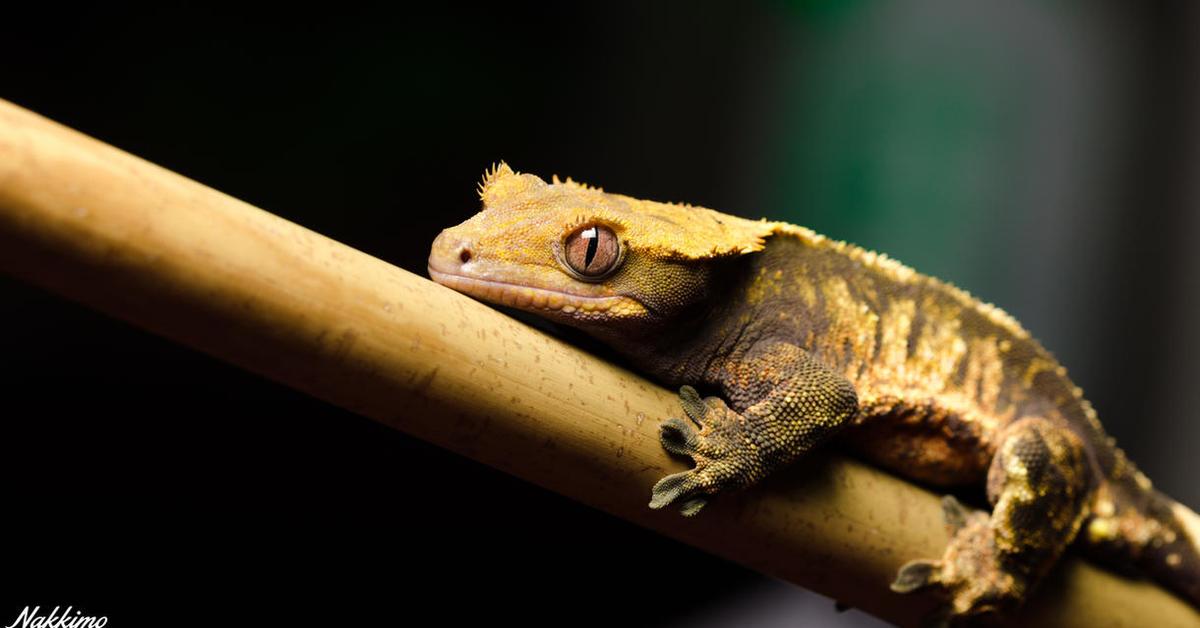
578, 255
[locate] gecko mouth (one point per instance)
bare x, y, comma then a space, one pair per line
537, 299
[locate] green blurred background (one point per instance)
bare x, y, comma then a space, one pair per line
1041, 154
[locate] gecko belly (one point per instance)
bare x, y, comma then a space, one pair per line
921, 441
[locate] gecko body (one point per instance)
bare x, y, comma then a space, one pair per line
799, 340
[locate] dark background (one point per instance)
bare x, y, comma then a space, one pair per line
1042, 155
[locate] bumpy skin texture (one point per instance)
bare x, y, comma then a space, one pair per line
800, 339
785, 403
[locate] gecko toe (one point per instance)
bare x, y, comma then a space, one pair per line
678, 437
693, 404
671, 488
917, 574
692, 506
954, 513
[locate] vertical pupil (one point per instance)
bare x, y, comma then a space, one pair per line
593, 239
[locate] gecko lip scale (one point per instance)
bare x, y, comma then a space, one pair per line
529, 298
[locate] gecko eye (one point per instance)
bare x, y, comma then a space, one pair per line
592, 251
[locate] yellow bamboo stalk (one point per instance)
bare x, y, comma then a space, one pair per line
117, 233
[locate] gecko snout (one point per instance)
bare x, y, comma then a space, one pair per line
450, 252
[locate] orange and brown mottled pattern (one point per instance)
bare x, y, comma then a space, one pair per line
928, 360
798, 338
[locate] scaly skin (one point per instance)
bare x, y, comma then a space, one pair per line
801, 339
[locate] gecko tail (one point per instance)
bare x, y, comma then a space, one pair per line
1142, 527
1176, 561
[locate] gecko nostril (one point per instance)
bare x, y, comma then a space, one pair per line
464, 255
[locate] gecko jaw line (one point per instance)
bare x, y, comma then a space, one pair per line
530, 298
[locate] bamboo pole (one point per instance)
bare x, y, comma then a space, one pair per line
139, 242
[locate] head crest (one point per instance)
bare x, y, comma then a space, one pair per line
667, 230
689, 232
573, 183
501, 181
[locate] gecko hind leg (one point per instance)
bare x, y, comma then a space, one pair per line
1039, 487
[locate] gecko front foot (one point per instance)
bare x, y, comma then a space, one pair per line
968, 574
719, 449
